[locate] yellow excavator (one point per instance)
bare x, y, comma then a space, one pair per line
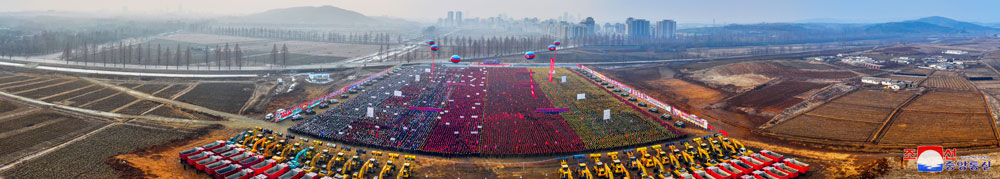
585, 171
602, 169
317, 161
564, 171
349, 165
404, 172
337, 160
261, 144
687, 155
365, 168
288, 151
619, 167
389, 166
273, 149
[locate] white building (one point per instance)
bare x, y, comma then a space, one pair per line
955, 52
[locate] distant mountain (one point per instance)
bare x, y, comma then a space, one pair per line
322, 15
934, 24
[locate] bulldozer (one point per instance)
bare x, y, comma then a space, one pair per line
404, 172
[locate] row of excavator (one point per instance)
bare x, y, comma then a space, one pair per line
709, 157
265, 154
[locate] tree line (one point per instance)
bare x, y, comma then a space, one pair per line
146, 55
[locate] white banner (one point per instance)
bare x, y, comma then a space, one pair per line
563, 79
581, 96
427, 70
607, 114
371, 112
417, 78
397, 93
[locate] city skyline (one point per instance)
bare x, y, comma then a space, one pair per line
601, 11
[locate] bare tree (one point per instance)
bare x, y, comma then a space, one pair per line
177, 59
274, 55
239, 57
284, 55
167, 57
65, 54
187, 59
159, 54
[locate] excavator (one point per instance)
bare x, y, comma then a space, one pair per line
389, 166
302, 156
261, 144
735, 147
349, 165
404, 172
688, 156
317, 162
585, 171
602, 169
282, 155
565, 172
671, 159
703, 153
642, 169
273, 149
327, 169
365, 168
719, 154
619, 168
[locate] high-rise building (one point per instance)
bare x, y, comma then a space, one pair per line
451, 18
589, 26
458, 17
666, 29
637, 28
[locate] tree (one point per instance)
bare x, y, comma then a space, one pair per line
206, 58
239, 57
167, 57
218, 57
86, 52
274, 54
227, 56
284, 55
66, 54
187, 59
138, 51
159, 54
177, 59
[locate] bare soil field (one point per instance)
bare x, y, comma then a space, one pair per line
874, 98
851, 112
915, 80
7, 107
76, 93
108, 104
836, 129
226, 97
919, 71
139, 107
36, 85
917, 127
24, 135
150, 88
949, 82
171, 91
738, 77
52, 90
949, 101
90, 157
775, 98
81, 100
15, 79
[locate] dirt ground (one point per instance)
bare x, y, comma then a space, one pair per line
162, 161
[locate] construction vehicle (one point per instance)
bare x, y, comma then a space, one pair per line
703, 154
564, 171
602, 169
349, 165
286, 152
317, 162
631, 158
274, 148
302, 156
404, 172
618, 167
389, 166
365, 168
647, 159
261, 144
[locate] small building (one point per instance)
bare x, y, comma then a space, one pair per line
889, 83
955, 52
903, 60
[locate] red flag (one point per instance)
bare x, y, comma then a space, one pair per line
724, 133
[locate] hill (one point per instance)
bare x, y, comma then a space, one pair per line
322, 15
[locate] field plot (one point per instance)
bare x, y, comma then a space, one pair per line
65, 96
747, 75
917, 127
808, 126
24, 135
52, 90
914, 79
12, 79
129, 85
25, 82
874, 98
87, 158
920, 71
7, 107
36, 85
775, 98
950, 82
81, 100
949, 101
226, 97
169, 112
851, 112
171, 91
139, 107
150, 88
114, 102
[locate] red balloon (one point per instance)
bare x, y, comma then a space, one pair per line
430, 42
456, 59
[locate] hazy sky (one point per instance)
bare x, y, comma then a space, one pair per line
684, 11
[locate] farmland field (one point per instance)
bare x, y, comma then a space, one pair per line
917, 127
23, 135
74, 93
139, 107
775, 98
226, 97
14, 78
150, 88
948, 101
92, 97
806, 126
6, 107
171, 91
36, 85
108, 104
951, 82
851, 112
87, 158
25, 82
43, 92
874, 98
